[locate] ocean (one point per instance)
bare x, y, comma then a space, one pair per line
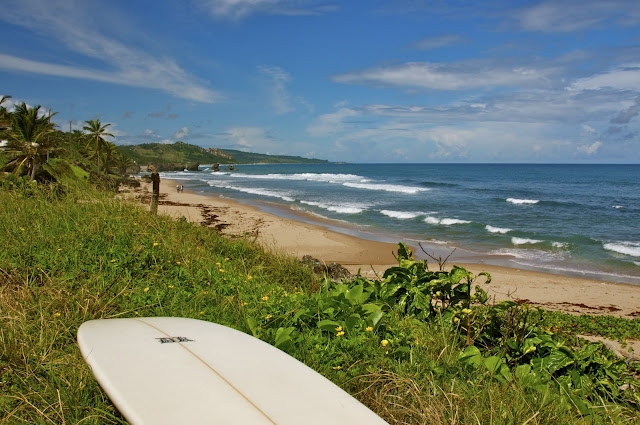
575, 220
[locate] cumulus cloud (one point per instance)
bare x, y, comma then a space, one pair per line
591, 149
330, 123
181, 133
70, 23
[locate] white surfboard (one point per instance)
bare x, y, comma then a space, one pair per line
170, 370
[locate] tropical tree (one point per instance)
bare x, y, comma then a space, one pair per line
96, 133
4, 114
29, 137
110, 156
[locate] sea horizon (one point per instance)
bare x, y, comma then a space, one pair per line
567, 219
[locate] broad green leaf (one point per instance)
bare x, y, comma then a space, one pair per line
493, 364
253, 326
352, 321
356, 295
328, 325
283, 337
471, 355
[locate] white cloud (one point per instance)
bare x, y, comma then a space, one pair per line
71, 24
330, 123
590, 149
181, 133
438, 41
279, 78
454, 76
247, 137
570, 16
622, 78
148, 132
238, 9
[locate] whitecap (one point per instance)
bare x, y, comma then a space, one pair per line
284, 195
617, 206
522, 201
559, 244
387, 187
402, 215
445, 221
492, 229
523, 241
627, 248
342, 208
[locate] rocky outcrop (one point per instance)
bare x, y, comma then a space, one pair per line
334, 271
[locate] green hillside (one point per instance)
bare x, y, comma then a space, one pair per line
180, 155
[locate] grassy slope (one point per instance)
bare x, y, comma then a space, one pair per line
90, 256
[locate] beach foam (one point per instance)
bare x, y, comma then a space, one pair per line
343, 208
627, 248
524, 241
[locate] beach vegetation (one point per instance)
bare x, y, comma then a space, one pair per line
416, 346
96, 133
30, 137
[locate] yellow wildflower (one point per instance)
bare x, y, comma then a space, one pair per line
341, 333
265, 298
170, 286
201, 313
244, 304
178, 263
221, 270
56, 314
22, 228
369, 329
339, 328
268, 316
146, 289
337, 367
156, 244
249, 277
384, 342
113, 261
59, 249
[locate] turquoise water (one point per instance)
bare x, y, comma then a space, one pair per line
568, 219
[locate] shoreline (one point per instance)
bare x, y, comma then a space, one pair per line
303, 235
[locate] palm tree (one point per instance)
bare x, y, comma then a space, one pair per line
110, 156
4, 114
29, 138
97, 132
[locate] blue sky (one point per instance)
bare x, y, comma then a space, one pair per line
357, 81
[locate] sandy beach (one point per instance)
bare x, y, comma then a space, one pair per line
297, 237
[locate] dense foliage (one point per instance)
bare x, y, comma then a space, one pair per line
417, 346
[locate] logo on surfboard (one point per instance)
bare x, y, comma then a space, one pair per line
172, 339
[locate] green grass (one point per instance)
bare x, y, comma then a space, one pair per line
83, 255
